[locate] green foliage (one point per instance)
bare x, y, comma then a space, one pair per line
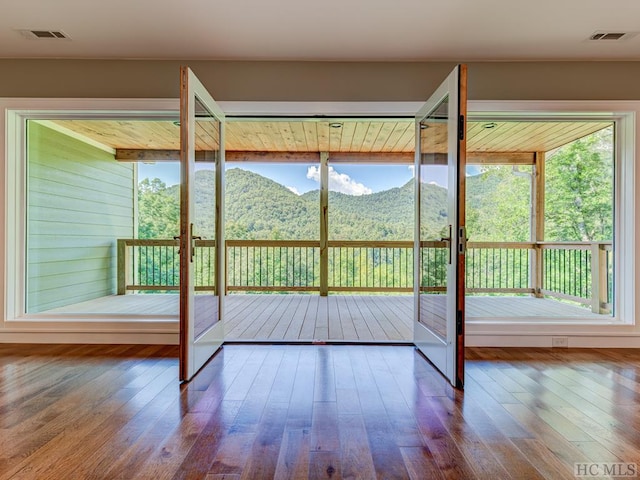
578, 195
498, 204
158, 210
578, 204
578, 207
258, 208
386, 215
434, 221
579, 190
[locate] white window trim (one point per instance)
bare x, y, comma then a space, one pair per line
584, 333
623, 112
13, 144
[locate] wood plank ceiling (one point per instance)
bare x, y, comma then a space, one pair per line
360, 136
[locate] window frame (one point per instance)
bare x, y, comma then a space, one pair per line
12, 143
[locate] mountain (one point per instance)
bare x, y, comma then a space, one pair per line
259, 208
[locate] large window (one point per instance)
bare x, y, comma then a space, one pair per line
33, 257
79, 202
540, 220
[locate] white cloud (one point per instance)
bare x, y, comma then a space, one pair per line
339, 182
294, 190
412, 169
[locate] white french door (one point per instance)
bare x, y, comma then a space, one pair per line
201, 226
440, 239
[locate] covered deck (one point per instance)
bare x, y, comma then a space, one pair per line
334, 318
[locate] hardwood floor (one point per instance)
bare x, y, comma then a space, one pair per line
263, 411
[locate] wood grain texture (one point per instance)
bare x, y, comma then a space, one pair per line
336, 317
361, 135
296, 412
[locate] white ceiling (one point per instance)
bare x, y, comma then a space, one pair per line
461, 30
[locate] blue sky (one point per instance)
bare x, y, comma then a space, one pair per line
345, 178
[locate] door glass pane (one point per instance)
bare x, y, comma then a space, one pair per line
435, 225
205, 224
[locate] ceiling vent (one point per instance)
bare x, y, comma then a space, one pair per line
45, 34
612, 35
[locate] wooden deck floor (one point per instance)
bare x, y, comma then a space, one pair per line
332, 318
311, 317
302, 411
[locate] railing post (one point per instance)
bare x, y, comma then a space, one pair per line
324, 224
121, 255
226, 268
599, 282
537, 223
538, 270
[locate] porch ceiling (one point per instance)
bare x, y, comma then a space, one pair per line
361, 136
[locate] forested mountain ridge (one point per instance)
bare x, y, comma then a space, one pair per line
578, 204
259, 208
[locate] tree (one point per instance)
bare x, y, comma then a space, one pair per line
158, 210
579, 190
499, 204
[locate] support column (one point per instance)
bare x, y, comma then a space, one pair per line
599, 280
537, 223
123, 263
324, 224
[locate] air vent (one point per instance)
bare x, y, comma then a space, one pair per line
45, 34
610, 36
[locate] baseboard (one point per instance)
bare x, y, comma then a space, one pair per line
123, 338
172, 338
573, 341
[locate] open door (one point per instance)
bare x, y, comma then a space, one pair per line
201, 226
440, 239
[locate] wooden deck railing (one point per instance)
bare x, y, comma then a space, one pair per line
273, 265
578, 271
155, 265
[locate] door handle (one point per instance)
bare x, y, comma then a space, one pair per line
193, 241
448, 241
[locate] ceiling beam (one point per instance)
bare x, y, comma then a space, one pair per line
271, 157
151, 156
501, 158
387, 158
372, 157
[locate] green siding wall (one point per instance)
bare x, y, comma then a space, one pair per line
79, 201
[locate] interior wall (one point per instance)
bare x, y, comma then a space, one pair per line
79, 201
318, 81
331, 82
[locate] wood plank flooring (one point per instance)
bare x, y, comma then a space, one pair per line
296, 412
379, 318
311, 317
